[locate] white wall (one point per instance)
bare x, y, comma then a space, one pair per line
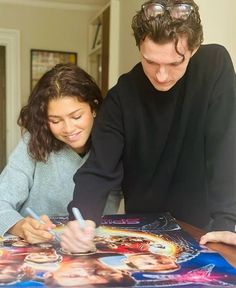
219, 23
46, 28
129, 54
219, 26
67, 30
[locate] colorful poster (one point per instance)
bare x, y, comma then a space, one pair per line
131, 251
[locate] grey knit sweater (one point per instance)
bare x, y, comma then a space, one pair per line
45, 187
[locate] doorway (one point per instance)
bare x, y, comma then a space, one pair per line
10, 40
2, 107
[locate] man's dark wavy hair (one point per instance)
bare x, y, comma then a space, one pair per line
62, 80
163, 29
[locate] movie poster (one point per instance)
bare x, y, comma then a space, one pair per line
131, 251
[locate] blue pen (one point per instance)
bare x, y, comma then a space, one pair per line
36, 217
78, 217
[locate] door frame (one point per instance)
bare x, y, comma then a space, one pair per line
11, 40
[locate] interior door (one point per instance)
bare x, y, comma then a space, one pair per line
2, 107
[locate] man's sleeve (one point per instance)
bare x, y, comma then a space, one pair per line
103, 170
221, 147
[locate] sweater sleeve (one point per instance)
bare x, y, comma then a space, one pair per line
221, 146
15, 182
103, 170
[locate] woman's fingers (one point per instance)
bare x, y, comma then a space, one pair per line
35, 232
47, 221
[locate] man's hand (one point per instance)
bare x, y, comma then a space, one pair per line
32, 230
77, 240
226, 237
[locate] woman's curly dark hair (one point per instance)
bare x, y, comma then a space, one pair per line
62, 80
163, 29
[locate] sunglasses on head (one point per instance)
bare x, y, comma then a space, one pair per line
176, 11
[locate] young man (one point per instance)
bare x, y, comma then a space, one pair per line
166, 131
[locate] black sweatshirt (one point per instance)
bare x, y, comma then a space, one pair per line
170, 151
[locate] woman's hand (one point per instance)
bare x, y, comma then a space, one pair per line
226, 237
76, 240
32, 230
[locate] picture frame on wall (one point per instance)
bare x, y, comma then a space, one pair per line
44, 60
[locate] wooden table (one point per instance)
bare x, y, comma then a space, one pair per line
227, 251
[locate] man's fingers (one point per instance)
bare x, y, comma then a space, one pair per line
74, 239
226, 237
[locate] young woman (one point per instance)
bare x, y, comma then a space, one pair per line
56, 124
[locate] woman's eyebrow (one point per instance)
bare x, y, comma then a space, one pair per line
57, 116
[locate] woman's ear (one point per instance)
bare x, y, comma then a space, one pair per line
94, 114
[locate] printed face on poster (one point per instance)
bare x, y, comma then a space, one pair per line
44, 60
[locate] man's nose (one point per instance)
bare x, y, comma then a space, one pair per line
162, 74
